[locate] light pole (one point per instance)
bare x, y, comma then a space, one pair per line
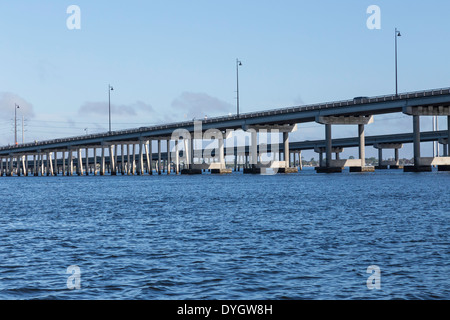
238, 64
397, 34
109, 97
15, 123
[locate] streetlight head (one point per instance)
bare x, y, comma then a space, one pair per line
240, 63
399, 34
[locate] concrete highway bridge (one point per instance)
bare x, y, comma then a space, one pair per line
128, 151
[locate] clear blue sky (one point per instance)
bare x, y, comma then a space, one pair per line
171, 60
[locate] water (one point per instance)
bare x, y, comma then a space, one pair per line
301, 236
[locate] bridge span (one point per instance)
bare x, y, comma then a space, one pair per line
57, 156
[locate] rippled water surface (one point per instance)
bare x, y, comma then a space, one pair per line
300, 236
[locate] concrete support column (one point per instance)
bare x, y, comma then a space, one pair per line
70, 163
24, 165
362, 144
254, 148
8, 167
37, 167
397, 156
1, 167
18, 165
35, 172
300, 161
328, 144
112, 159
42, 165
27, 164
116, 164
12, 170
147, 156
448, 136
95, 162
133, 159
87, 161
128, 160
141, 158
122, 156
24, 160
63, 163
168, 158
47, 163
222, 151
50, 169
102, 164
192, 151
158, 170
416, 132
177, 157
55, 167
286, 150
80, 163
380, 156
150, 157
235, 153
186, 152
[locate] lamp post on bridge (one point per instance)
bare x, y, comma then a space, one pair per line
238, 64
109, 97
397, 34
15, 123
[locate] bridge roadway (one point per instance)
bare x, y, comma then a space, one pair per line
358, 111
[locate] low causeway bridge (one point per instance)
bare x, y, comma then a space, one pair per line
132, 151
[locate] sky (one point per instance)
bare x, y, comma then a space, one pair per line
169, 61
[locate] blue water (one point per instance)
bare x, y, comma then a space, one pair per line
300, 236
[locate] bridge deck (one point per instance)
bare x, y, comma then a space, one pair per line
291, 115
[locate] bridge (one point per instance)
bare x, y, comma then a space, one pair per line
57, 156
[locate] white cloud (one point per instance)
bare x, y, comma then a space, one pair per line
7, 102
102, 108
199, 105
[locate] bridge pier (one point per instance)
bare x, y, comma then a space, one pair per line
383, 165
334, 150
335, 166
256, 165
422, 164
